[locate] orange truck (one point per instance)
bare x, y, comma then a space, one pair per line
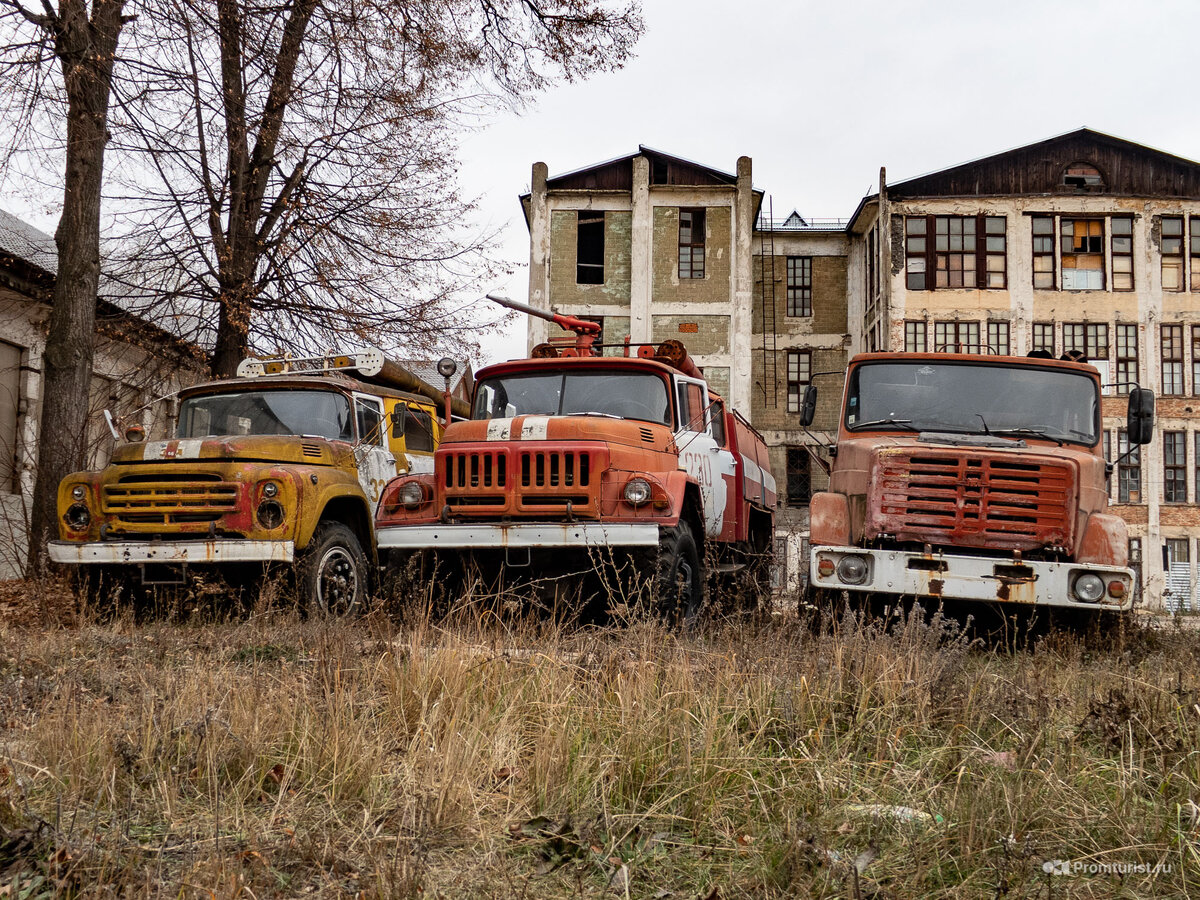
972, 477
570, 457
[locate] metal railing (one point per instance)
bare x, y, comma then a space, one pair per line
796, 223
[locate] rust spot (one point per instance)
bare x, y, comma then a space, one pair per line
1002, 591
935, 586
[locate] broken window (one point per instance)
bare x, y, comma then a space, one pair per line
914, 336
799, 477
1082, 254
10, 398
1043, 252
589, 252
998, 338
965, 252
1171, 248
1194, 225
1043, 338
691, 243
954, 251
1174, 466
996, 252
916, 244
1086, 338
799, 285
1129, 470
956, 337
1122, 253
1127, 357
1082, 175
799, 374
1172, 359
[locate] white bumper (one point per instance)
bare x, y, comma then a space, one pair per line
500, 537
191, 552
971, 578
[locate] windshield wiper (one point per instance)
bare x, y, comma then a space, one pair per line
1029, 432
594, 413
906, 424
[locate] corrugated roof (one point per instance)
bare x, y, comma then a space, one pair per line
22, 240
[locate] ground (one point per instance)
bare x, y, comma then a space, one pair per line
394, 756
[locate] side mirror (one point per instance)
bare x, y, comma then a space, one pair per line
808, 405
111, 421
1139, 422
399, 419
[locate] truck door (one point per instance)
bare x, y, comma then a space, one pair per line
376, 464
414, 432
700, 454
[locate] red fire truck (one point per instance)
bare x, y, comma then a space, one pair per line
572, 459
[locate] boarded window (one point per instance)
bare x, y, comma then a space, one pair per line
589, 251
799, 373
799, 477
799, 285
1082, 254
691, 243
1172, 253
10, 396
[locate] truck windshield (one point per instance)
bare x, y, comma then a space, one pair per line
322, 413
623, 395
1011, 401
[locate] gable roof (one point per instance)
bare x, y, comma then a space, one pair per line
1126, 169
617, 174
21, 241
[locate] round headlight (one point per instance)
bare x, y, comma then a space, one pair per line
637, 491
1089, 587
78, 492
411, 495
77, 516
270, 514
270, 489
852, 570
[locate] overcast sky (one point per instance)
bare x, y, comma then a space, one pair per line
821, 94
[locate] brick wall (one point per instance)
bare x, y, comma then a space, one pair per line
768, 415
564, 234
711, 336
829, 297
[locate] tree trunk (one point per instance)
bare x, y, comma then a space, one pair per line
86, 49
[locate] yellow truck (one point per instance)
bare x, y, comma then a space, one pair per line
283, 464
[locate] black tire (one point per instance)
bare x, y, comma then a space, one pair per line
680, 580
333, 571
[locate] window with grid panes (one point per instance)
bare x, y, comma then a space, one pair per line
1175, 553
799, 373
956, 337
995, 248
1195, 359
1043, 338
1196, 463
956, 252
998, 338
1127, 357
1122, 252
1087, 338
1174, 466
1194, 250
1107, 458
916, 246
1082, 254
914, 336
799, 285
691, 243
1043, 252
1172, 359
1129, 470
799, 476
1171, 250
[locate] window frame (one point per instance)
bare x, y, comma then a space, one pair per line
1043, 247
803, 376
697, 222
1074, 254
1124, 240
999, 337
1194, 252
1091, 346
1174, 347
1034, 337
799, 475
916, 331
799, 289
1129, 469
1176, 255
1126, 372
582, 229
927, 246
939, 345
1175, 488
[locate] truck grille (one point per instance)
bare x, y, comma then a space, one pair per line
532, 481
155, 499
975, 500
555, 469
475, 469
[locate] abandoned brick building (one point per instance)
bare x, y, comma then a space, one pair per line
1083, 242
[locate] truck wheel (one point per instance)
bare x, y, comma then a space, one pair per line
680, 582
333, 571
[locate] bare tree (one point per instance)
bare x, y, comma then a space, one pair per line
84, 43
305, 154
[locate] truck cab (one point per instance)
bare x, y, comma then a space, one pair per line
972, 477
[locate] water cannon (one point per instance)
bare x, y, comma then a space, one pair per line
585, 332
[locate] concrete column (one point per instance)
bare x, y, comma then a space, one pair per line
539, 253
742, 275
641, 255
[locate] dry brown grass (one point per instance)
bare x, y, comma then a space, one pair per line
273, 757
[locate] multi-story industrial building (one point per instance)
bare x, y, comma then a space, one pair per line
1083, 244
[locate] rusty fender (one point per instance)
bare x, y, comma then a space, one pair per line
954, 577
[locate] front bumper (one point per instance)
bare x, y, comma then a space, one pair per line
499, 537
189, 552
1028, 583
